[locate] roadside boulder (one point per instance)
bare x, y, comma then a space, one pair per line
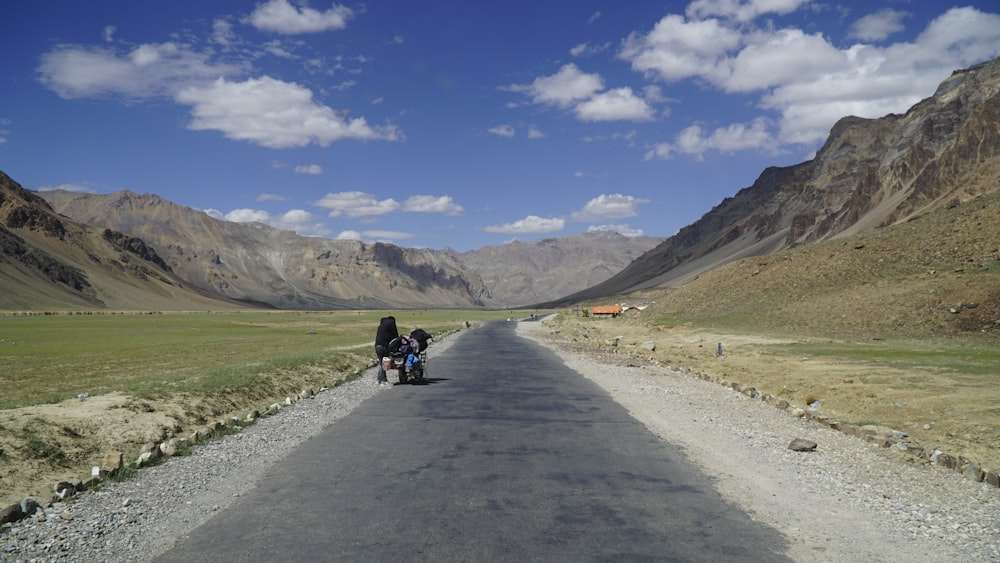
802, 445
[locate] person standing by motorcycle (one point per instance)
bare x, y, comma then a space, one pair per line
386, 333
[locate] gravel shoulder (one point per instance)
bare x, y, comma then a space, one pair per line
847, 501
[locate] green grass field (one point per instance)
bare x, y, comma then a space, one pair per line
50, 358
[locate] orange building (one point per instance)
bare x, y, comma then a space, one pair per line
607, 310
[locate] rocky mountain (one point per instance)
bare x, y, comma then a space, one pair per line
47, 260
254, 263
524, 273
870, 173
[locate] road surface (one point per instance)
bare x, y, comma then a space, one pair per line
505, 455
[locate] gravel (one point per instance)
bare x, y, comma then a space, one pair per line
846, 501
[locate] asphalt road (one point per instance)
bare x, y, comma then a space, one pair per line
505, 455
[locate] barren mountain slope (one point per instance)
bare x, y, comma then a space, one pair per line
935, 274
256, 263
49, 261
869, 174
524, 273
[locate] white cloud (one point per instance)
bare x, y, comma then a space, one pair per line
302, 222
222, 32
431, 204
530, 224
585, 94
349, 235
734, 137
615, 105
741, 10
360, 205
109, 33
608, 206
297, 220
274, 114
587, 49
356, 204
878, 26
805, 82
780, 58
149, 70
502, 130
270, 197
564, 88
280, 16
677, 49
374, 236
247, 216
312, 169
535, 133
277, 49
621, 229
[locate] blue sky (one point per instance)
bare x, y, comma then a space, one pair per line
454, 123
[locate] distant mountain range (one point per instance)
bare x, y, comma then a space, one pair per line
124, 250
256, 265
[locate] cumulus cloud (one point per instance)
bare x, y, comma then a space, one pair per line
356, 204
374, 236
677, 49
741, 10
502, 130
620, 104
585, 94
261, 110
878, 26
311, 169
222, 32
349, 235
587, 49
297, 220
564, 88
694, 140
274, 114
530, 224
149, 70
608, 206
279, 16
804, 79
535, 133
431, 204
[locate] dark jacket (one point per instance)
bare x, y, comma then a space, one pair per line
386, 331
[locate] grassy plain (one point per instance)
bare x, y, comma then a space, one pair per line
50, 358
